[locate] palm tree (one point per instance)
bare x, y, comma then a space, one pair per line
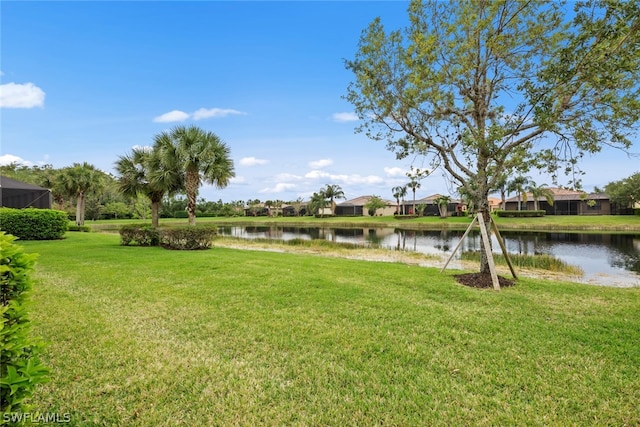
77, 181
268, 204
400, 192
539, 191
443, 203
317, 203
518, 185
414, 184
136, 170
501, 186
199, 156
332, 192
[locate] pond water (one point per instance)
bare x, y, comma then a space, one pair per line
606, 259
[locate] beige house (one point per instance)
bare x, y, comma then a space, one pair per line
565, 202
355, 207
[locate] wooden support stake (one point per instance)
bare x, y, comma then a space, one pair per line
487, 249
464, 236
504, 248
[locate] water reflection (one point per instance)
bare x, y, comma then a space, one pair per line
601, 256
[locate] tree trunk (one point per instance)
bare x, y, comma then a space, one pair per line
484, 261
192, 182
80, 209
155, 208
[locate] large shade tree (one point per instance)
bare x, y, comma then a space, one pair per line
493, 88
626, 192
198, 156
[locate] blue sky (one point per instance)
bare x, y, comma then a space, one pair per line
87, 81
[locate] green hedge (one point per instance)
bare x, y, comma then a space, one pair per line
141, 235
188, 238
83, 228
34, 224
520, 214
20, 367
179, 238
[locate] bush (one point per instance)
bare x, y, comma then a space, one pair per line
520, 214
20, 367
83, 228
187, 238
34, 224
181, 214
141, 235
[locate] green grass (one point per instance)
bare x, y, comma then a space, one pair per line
150, 337
536, 261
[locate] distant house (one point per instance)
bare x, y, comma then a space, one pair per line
18, 194
454, 207
566, 202
494, 204
355, 207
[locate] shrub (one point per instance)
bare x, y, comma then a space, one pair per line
188, 237
34, 224
181, 214
83, 228
20, 366
141, 235
520, 214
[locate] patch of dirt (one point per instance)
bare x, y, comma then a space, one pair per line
482, 280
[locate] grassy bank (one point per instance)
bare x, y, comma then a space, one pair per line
146, 336
608, 223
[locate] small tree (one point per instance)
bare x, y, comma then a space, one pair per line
373, 204
318, 203
414, 184
519, 185
443, 205
198, 156
487, 89
333, 192
539, 191
78, 181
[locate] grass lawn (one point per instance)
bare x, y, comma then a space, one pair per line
151, 337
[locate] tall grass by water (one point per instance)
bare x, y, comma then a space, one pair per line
145, 336
536, 261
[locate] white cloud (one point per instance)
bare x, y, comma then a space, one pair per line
204, 113
252, 161
172, 116
238, 180
317, 164
278, 188
317, 174
15, 95
395, 171
287, 177
7, 159
344, 117
344, 179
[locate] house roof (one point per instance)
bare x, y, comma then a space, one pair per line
563, 194
430, 199
361, 201
9, 183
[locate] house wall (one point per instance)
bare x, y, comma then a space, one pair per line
19, 199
